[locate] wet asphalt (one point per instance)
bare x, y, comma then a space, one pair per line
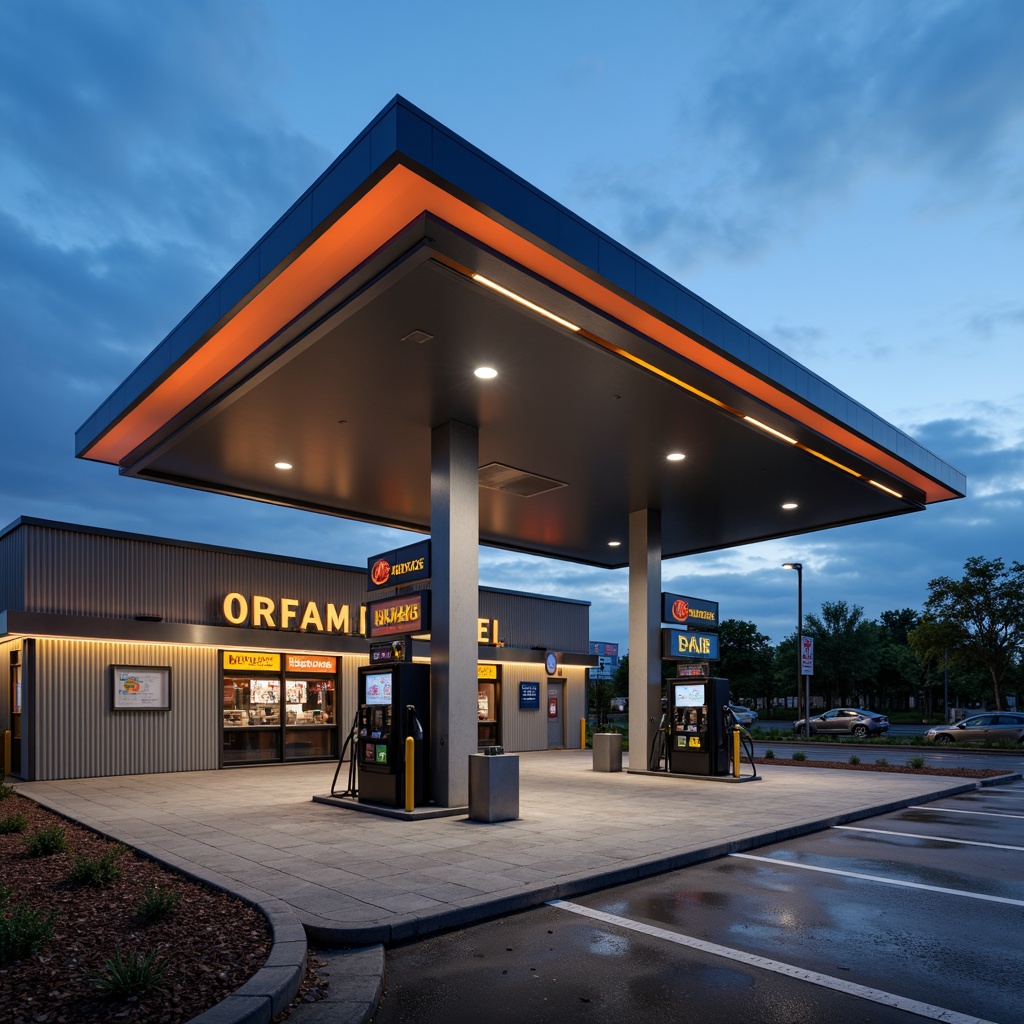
920, 915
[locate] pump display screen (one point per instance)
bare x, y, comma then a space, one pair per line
689, 695
378, 688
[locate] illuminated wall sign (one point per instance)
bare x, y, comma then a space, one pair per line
310, 663
685, 671
407, 614
403, 565
689, 611
251, 661
288, 613
487, 632
683, 643
529, 696
487, 671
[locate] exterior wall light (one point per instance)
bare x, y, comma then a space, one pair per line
675, 457
485, 372
282, 465
789, 505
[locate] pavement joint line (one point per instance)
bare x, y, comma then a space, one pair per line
776, 966
937, 839
958, 810
775, 862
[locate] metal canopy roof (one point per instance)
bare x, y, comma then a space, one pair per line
354, 327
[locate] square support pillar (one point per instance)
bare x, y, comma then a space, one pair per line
454, 607
644, 634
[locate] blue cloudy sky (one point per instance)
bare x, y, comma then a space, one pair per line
846, 180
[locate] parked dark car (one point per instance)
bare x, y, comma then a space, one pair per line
994, 727
846, 722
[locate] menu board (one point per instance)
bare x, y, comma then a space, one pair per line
141, 688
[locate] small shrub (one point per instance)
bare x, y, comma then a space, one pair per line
158, 904
882, 761
5, 791
97, 872
46, 841
130, 974
12, 823
916, 762
799, 755
854, 759
769, 755
25, 931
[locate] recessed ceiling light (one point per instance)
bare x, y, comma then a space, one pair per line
614, 543
789, 504
282, 465
675, 457
485, 372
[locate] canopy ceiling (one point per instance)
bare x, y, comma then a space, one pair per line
355, 326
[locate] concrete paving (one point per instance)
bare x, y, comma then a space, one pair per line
357, 880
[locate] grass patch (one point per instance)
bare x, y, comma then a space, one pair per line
158, 904
854, 759
98, 872
881, 761
915, 762
11, 823
799, 755
47, 841
130, 974
23, 931
5, 791
769, 755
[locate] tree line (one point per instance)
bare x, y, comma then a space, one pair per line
966, 643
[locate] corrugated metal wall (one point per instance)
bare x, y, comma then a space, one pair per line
528, 730
525, 621
12, 571
78, 735
74, 573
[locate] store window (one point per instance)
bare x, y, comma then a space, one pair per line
488, 706
282, 716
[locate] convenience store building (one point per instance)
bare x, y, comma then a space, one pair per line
128, 654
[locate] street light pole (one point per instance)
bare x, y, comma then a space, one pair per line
799, 652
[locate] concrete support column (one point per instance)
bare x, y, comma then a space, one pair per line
644, 634
454, 607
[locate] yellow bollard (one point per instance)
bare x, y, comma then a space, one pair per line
735, 751
583, 734
410, 773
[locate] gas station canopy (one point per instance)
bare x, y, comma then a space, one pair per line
356, 325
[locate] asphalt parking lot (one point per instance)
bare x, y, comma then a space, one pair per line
905, 916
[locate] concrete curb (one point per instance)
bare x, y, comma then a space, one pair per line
274, 985
414, 926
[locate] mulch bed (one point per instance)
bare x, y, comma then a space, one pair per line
212, 944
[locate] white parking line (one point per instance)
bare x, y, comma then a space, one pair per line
878, 878
752, 960
956, 810
939, 839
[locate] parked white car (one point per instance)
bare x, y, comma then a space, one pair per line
745, 716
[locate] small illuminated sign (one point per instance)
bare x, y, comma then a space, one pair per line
689, 611
409, 613
688, 643
402, 565
251, 661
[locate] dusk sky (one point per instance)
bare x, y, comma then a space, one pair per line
846, 180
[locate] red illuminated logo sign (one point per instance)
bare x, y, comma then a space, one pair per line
680, 611
381, 572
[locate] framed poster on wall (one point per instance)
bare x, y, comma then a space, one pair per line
141, 687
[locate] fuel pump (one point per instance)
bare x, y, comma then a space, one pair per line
394, 701
697, 734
